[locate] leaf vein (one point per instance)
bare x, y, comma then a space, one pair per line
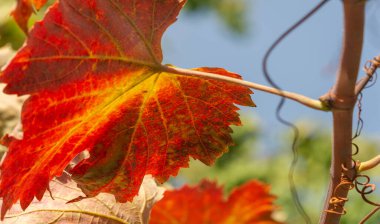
103, 30
80, 212
137, 30
164, 121
210, 105
73, 130
191, 116
76, 38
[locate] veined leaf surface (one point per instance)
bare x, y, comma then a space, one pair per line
102, 209
91, 69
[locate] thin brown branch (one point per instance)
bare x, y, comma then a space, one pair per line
312, 103
343, 95
370, 69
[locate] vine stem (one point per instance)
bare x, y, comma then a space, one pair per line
370, 70
370, 164
309, 102
343, 99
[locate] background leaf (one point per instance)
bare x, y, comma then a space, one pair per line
24, 10
101, 209
233, 13
249, 203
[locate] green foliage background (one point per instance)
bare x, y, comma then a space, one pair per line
252, 158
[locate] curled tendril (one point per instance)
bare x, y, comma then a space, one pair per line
370, 69
360, 122
337, 202
346, 182
362, 182
280, 105
356, 149
365, 188
350, 179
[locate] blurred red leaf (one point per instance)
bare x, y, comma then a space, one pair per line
91, 69
24, 10
39, 3
247, 204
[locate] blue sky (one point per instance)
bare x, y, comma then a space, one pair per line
305, 62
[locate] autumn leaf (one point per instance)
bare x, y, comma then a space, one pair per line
102, 208
92, 70
247, 204
24, 10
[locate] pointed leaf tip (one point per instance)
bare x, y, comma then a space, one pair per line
24, 10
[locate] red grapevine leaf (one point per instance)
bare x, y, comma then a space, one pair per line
24, 10
90, 68
21, 14
248, 204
